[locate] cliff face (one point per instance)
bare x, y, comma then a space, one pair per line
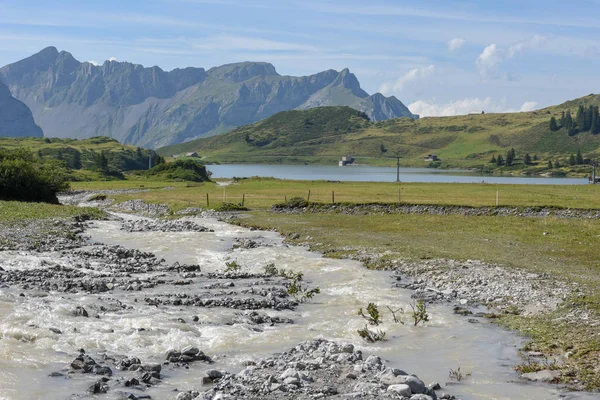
16, 119
151, 107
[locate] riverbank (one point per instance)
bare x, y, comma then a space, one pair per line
537, 275
82, 348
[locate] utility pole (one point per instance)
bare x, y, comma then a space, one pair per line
397, 167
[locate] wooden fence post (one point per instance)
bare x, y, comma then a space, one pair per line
207, 202
243, 199
497, 198
308, 199
332, 197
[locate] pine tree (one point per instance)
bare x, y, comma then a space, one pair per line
579, 158
553, 124
568, 121
493, 160
535, 157
580, 118
557, 164
527, 159
550, 164
102, 162
509, 158
76, 160
595, 126
572, 160
562, 119
500, 160
588, 118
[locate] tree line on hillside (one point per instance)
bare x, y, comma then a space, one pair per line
25, 177
587, 119
103, 161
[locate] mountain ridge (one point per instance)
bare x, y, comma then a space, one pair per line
147, 106
16, 119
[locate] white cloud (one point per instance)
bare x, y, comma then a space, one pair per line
96, 63
466, 106
456, 44
411, 76
112, 59
488, 60
251, 44
492, 56
529, 106
531, 43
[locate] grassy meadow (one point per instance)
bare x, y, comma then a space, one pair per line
262, 193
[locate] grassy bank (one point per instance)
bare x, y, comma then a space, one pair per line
16, 212
261, 193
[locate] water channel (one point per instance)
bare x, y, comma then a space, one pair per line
28, 352
377, 174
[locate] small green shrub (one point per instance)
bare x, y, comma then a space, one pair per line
373, 317
457, 375
419, 313
230, 207
232, 266
371, 336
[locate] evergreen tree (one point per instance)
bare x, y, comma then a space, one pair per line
572, 160
76, 160
550, 164
493, 160
535, 157
595, 125
580, 118
557, 164
59, 156
509, 158
588, 118
562, 119
499, 160
102, 162
568, 121
579, 158
513, 153
553, 124
138, 152
527, 159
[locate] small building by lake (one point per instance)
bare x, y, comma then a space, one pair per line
431, 157
346, 160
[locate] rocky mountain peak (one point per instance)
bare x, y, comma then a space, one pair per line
349, 81
240, 72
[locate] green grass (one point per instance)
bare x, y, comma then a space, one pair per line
324, 135
15, 212
262, 193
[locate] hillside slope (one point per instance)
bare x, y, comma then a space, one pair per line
324, 135
150, 107
16, 119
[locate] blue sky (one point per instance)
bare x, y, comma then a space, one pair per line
439, 57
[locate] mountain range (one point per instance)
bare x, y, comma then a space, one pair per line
16, 119
150, 107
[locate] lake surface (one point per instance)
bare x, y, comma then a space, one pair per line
376, 174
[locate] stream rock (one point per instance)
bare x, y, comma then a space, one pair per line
151, 225
315, 369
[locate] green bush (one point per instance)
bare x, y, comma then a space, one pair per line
180, 170
26, 178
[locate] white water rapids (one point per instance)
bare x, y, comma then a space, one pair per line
29, 351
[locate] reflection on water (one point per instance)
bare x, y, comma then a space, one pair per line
376, 174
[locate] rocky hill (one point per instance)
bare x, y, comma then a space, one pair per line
16, 119
152, 108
